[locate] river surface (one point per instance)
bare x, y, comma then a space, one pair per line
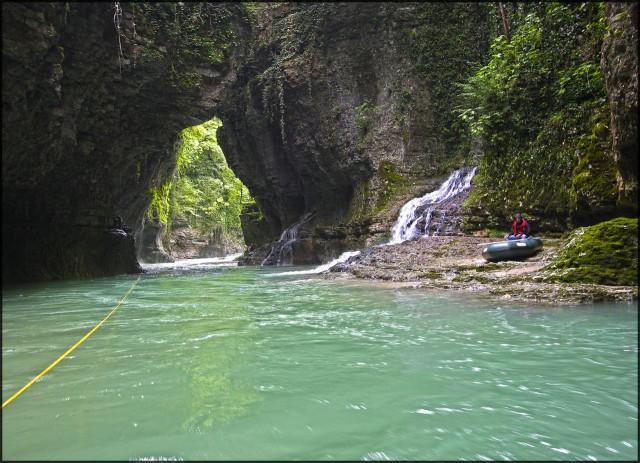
210, 361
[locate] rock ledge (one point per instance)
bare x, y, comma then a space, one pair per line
456, 263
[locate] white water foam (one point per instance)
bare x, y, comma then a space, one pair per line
405, 228
324, 267
193, 264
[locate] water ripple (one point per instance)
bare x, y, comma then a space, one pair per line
233, 364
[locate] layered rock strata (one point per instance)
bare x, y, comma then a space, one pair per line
341, 110
94, 96
619, 64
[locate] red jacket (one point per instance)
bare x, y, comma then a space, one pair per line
519, 230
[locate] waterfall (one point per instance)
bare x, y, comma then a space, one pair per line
416, 212
282, 252
420, 210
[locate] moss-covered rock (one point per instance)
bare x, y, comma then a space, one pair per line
606, 254
390, 179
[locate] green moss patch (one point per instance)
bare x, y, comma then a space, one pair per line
487, 267
391, 179
430, 275
606, 254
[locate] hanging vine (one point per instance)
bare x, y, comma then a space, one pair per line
117, 21
294, 38
135, 36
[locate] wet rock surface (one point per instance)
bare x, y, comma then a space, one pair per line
620, 70
456, 263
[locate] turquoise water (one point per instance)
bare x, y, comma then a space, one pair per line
219, 362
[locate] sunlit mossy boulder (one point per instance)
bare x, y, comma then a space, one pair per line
606, 254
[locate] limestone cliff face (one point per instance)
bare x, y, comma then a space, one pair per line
93, 101
620, 68
184, 242
339, 111
149, 246
335, 111
323, 107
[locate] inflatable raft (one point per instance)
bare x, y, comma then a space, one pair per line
512, 250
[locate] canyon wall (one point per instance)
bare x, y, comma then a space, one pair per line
346, 110
343, 111
619, 65
94, 96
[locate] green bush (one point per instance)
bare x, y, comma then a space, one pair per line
537, 107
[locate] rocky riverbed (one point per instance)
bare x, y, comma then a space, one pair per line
456, 263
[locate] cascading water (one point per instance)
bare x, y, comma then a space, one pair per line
414, 213
407, 226
281, 252
420, 210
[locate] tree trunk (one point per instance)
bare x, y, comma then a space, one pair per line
504, 21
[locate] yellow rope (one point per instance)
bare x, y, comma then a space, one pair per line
70, 350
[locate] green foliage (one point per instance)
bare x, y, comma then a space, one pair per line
537, 107
366, 111
450, 41
160, 201
204, 190
606, 253
188, 33
391, 179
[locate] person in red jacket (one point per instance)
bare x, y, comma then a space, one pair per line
519, 230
